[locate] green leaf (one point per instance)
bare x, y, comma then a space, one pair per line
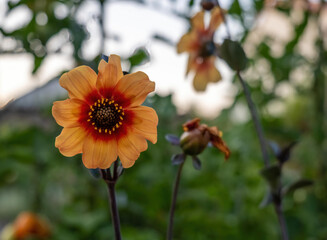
284, 155
140, 56
37, 63
297, 185
272, 175
235, 8
234, 55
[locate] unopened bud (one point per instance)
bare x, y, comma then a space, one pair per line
195, 141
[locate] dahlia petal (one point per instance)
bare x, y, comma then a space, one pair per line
128, 152
145, 122
99, 153
134, 88
214, 75
216, 19
70, 141
187, 43
109, 73
217, 141
200, 81
138, 141
79, 82
67, 112
205, 73
191, 64
125, 161
198, 21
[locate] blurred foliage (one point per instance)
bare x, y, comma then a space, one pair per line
50, 19
218, 202
221, 201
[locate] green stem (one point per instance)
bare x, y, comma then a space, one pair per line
281, 220
173, 203
111, 180
256, 121
262, 140
114, 209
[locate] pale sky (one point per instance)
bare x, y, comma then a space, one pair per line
134, 24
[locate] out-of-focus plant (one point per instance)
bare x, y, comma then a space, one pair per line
193, 141
234, 55
26, 226
51, 19
201, 48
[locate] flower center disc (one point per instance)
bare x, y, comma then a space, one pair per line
106, 116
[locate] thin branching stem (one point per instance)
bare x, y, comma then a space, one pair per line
265, 156
262, 140
173, 203
224, 19
281, 220
256, 121
101, 23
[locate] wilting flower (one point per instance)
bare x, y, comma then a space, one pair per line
103, 118
196, 138
201, 48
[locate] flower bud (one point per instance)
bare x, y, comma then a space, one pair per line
195, 141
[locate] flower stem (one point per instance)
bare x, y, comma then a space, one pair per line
256, 121
262, 140
111, 180
281, 220
173, 203
264, 151
114, 209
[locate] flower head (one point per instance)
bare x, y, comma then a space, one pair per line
201, 48
103, 118
29, 225
196, 138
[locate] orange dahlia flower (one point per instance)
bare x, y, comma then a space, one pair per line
199, 44
103, 118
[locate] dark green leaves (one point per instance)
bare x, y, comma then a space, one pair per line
282, 154
285, 153
297, 185
234, 55
272, 175
140, 56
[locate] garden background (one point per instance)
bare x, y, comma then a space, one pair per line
286, 44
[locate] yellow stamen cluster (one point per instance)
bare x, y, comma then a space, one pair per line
106, 116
